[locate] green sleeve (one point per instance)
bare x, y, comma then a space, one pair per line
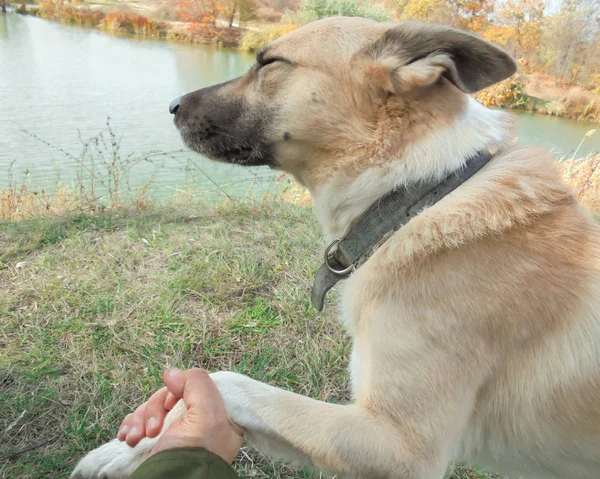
185, 463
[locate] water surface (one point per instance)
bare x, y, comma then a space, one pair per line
61, 83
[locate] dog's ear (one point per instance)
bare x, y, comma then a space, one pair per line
413, 55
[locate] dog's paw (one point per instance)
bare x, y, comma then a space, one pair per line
116, 460
113, 460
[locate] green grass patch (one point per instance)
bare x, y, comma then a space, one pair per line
100, 305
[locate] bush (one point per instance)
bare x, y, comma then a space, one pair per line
509, 93
316, 9
255, 40
84, 17
129, 22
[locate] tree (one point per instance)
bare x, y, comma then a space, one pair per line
471, 15
561, 40
466, 14
437, 11
572, 42
203, 14
244, 8
522, 21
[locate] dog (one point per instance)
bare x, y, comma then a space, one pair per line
475, 325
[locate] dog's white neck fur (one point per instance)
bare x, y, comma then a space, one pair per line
344, 198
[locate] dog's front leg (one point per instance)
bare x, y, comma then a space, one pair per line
350, 441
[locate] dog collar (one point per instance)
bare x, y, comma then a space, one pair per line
377, 224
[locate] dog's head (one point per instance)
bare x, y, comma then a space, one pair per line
339, 87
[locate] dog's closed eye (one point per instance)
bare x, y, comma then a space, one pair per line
262, 59
263, 62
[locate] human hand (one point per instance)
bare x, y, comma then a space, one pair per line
205, 423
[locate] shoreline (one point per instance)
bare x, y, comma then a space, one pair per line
122, 21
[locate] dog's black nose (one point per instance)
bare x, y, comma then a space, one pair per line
174, 106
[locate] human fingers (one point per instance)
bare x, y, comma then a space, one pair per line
155, 413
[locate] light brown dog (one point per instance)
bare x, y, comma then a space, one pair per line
476, 325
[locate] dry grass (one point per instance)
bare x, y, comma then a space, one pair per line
583, 175
19, 201
582, 105
102, 182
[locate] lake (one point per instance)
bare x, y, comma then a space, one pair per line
59, 84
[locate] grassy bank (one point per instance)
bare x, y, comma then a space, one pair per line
94, 307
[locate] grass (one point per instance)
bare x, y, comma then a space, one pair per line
95, 306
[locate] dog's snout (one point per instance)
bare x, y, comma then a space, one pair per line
174, 106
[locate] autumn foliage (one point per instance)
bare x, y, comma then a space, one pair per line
200, 14
509, 93
561, 41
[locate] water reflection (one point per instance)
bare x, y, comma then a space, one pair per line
3, 26
61, 83
200, 67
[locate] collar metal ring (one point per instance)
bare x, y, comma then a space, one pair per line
329, 255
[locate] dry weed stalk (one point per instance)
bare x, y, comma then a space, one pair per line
102, 182
583, 174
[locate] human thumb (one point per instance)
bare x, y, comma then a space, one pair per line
194, 386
